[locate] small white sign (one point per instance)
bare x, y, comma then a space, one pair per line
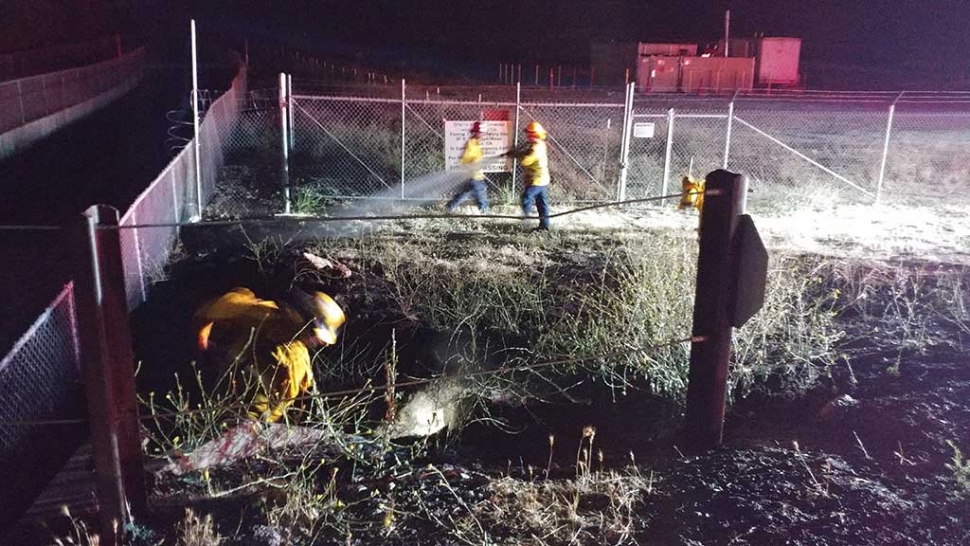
643, 129
494, 140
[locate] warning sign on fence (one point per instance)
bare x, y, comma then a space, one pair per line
643, 130
494, 140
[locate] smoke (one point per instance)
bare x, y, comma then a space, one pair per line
384, 203
388, 202
415, 193
430, 410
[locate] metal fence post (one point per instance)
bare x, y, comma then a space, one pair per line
284, 147
885, 147
289, 108
724, 202
403, 134
625, 143
195, 125
515, 133
108, 369
667, 153
727, 136
606, 145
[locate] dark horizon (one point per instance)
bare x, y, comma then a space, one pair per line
927, 37
874, 33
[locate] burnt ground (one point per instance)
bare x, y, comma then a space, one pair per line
859, 460
869, 473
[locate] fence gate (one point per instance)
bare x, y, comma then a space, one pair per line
671, 143
648, 153
348, 147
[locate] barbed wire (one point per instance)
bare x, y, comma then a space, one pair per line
370, 388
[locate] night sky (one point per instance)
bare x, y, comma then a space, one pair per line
874, 32
928, 34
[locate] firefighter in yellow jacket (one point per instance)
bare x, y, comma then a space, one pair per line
262, 348
475, 187
534, 159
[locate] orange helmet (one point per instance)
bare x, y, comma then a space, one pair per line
535, 129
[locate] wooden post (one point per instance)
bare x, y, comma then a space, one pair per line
107, 361
724, 202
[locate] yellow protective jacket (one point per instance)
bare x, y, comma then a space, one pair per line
535, 163
256, 345
473, 154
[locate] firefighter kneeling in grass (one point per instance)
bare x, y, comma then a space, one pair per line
535, 163
261, 349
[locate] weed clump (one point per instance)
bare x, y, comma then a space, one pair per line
959, 465
618, 310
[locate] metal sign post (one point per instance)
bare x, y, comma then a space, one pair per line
716, 307
515, 131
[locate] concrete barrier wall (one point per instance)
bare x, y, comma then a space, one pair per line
127, 71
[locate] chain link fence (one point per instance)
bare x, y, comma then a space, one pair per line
928, 154
788, 147
178, 194
381, 146
332, 153
39, 380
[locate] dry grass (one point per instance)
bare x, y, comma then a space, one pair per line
595, 508
79, 533
198, 531
960, 467
582, 296
507, 298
